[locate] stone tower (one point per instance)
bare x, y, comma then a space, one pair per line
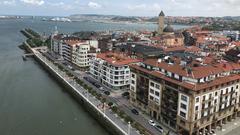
161, 22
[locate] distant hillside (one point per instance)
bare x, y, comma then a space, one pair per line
127, 19
168, 19
153, 19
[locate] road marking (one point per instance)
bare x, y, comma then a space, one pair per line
223, 130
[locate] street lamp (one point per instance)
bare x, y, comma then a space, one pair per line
104, 109
88, 96
129, 128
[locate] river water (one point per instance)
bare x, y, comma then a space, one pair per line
31, 102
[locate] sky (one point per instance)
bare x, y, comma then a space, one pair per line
121, 7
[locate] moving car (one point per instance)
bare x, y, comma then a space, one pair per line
159, 128
151, 122
134, 111
107, 93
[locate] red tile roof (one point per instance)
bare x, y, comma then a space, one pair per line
117, 59
196, 72
193, 87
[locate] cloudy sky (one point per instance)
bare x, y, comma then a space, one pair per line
121, 7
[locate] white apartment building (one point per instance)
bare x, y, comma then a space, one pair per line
112, 70
74, 50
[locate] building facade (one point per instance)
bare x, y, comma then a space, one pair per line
112, 70
189, 97
75, 51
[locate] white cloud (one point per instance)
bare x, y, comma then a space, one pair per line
57, 4
77, 2
145, 7
8, 2
137, 7
34, 2
94, 5
61, 5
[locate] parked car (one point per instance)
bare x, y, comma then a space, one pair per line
125, 94
107, 93
151, 122
101, 88
134, 111
159, 128
97, 85
85, 78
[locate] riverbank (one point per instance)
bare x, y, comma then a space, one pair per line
106, 118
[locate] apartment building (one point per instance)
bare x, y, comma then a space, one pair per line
74, 50
190, 95
112, 70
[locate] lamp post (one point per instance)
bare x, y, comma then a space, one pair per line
88, 96
104, 109
129, 128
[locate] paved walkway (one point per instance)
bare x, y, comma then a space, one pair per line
230, 128
117, 99
106, 112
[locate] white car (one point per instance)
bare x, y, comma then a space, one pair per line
151, 122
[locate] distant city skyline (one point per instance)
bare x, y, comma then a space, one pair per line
123, 7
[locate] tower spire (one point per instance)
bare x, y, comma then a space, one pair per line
161, 22
161, 13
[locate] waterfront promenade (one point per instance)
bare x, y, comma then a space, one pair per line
107, 113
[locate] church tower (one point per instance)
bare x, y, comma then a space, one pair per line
161, 22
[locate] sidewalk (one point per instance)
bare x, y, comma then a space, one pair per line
95, 102
230, 128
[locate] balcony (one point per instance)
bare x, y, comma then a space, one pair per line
209, 99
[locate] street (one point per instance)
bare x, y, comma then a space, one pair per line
116, 98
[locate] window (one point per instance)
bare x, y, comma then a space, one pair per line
196, 108
152, 84
157, 93
183, 106
215, 93
182, 114
151, 97
133, 82
196, 116
133, 75
132, 88
157, 86
204, 98
152, 91
197, 99
184, 98
237, 87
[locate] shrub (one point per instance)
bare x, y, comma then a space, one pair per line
121, 114
128, 119
103, 100
110, 104
114, 109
